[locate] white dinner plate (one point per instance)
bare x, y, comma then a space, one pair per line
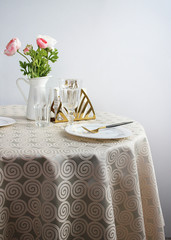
5, 121
107, 133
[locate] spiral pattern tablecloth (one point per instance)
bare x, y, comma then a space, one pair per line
57, 186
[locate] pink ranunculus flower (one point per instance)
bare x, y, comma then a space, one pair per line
27, 49
50, 41
42, 43
12, 47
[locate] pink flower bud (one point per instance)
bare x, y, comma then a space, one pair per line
12, 47
42, 43
27, 49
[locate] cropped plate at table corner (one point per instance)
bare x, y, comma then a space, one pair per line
107, 133
5, 121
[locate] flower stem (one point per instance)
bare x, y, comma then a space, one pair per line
23, 55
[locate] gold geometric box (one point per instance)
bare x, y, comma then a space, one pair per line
84, 111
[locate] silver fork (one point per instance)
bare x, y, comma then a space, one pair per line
107, 126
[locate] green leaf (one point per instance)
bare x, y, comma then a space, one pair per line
39, 65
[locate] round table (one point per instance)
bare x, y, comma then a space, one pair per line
57, 186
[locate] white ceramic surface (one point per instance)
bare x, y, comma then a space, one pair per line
4, 121
37, 93
107, 133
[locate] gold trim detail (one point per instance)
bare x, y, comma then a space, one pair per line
84, 111
60, 116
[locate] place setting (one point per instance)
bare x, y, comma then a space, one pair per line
71, 104
68, 103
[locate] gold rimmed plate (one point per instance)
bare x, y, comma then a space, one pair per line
107, 133
5, 121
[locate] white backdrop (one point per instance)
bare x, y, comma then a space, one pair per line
121, 49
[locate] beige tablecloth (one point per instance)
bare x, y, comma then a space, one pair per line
57, 186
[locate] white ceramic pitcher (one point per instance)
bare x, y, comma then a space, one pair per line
37, 93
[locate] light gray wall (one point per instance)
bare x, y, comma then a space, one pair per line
121, 49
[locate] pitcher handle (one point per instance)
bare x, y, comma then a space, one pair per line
18, 85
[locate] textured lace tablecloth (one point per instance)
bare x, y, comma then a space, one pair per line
57, 186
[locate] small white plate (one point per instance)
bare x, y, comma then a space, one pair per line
107, 133
5, 121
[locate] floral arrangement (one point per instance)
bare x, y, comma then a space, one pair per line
37, 61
